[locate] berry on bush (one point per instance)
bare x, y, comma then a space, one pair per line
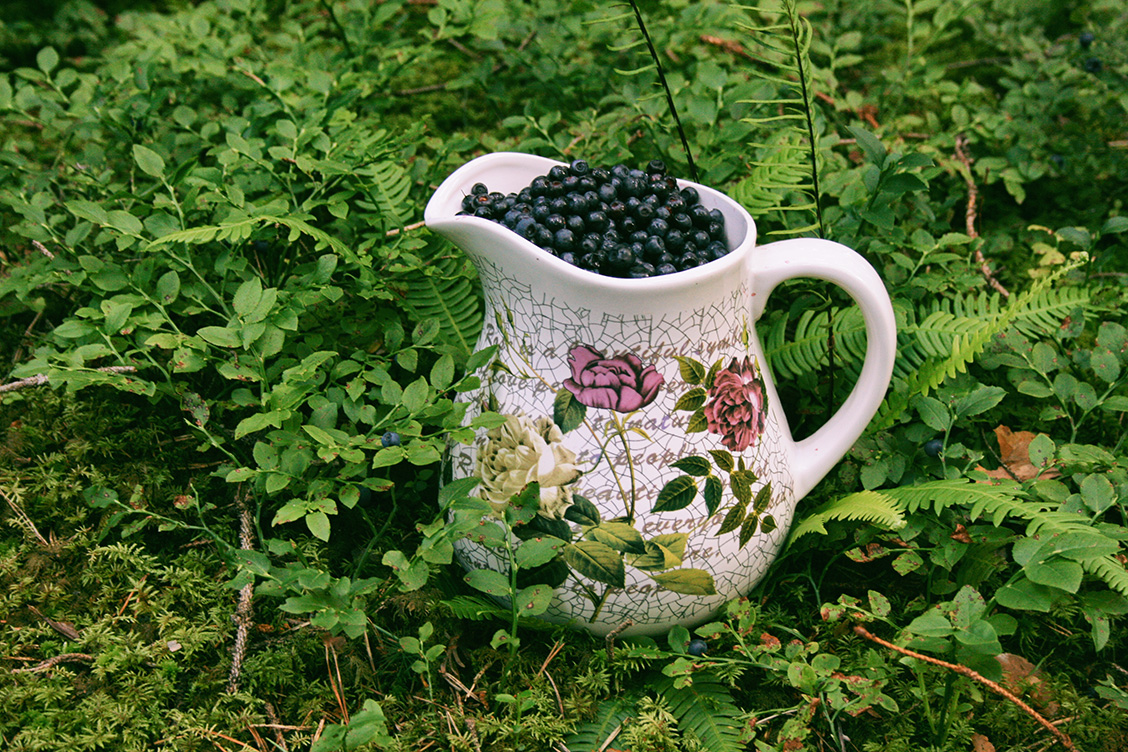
390, 439
615, 221
697, 647
933, 448
1086, 39
1092, 65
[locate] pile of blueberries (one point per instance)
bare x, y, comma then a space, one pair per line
616, 221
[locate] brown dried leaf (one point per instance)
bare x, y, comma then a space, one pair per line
980, 743
1014, 451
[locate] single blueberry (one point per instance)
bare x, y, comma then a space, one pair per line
933, 448
390, 439
526, 227
697, 647
1086, 39
1092, 65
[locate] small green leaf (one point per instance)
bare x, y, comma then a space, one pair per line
931, 623
534, 600
534, 552
1056, 573
1024, 595
442, 373
741, 482
763, 498
691, 400
488, 581
415, 395
879, 604
567, 412
714, 492
318, 524
597, 561
748, 529
697, 422
148, 160
247, 296
723, 459
692, 372
979, 401
906, 562
582, 511
688, 581
677, 494
673, 542
732, 520
47, 59
221, 336
697, 466
619, 536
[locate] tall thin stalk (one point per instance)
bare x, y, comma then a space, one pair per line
666, 87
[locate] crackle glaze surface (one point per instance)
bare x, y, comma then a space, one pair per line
644, 411
535, 335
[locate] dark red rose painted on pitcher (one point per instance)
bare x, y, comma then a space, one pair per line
620, 383
737, 405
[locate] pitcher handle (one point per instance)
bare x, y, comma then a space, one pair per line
773, 263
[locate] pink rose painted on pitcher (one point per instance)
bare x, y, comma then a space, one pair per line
737, 405
620, 383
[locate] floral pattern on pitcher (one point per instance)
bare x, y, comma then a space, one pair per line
726, 400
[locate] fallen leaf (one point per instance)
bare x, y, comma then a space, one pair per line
1014, 451
980, 743
1023, 678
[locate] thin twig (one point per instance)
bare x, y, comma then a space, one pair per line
275, 726
21, 515
40, 379
609, 640
969, 218
969, 673
666, 88
63, 658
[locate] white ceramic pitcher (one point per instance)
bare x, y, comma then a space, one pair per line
644, 410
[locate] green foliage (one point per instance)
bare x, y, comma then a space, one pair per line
212, 255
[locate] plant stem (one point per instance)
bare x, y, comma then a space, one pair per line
796, 30
621, 425
666, 88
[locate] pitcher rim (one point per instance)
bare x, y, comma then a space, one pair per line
437, 217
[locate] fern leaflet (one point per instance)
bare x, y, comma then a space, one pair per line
598, 733
870, 506
705, 708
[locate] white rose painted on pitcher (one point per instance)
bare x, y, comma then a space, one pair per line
522, 451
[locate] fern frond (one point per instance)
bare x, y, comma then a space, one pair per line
594, 735
804, 350
475, 608
1002, 502
448, 294
783, 42
868, 506
389, 189
705, 708
967, 338
1110, 571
